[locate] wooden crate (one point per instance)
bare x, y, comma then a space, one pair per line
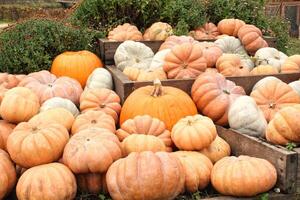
272, 196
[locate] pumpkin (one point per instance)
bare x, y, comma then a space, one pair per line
92, 150
246, 117
150, 176
32, 144
291, 64
132, 73
91, 183
76, 64
274, 95
8, 80
296, 86
185, 61
231, 65
2, 92
135, 74
211, 53
8, 175
206, 32
230, 27
55, 115
193, 133
264, 70
197, 169
89, 119
213, 95
101, 99
251, 38
256, 175
47, 86
133, 54
158, 31
159, 59
19, 104
125, 32
270, 56
5, 130
145, 125
58, 102
264, 81
49, 181
173, 40
100, 78
158, 102
284, 127
217, 150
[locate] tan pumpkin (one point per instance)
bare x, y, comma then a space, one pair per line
194, 133
8, 175
132, 73
292, 64
31, 144
208, 31
254, 174
231, 65
264, 70
197, 169
2, 92
158, 31
8, 80
135, 74
19, 104
185, 61
52, 181
101, 99
230, 27
96, 119
217, 150
176, 40
5, 130
92, 183
211, 53
92, 150
125, 32
150, 176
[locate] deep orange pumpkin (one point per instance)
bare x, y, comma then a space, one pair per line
5, 130
230, 27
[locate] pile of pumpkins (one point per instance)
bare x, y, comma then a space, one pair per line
239, 49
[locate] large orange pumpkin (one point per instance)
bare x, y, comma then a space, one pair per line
231, 65
176, 40
92, 183
213, 95
76, 64
206, 32
150, 176
264, 70
211, 52
8, 175
185, 61
125, 32
230, 27
5, 130
168, 104
291, 65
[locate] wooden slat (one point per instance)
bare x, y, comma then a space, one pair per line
297, 150
272, 196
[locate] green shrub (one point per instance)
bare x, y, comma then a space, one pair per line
32, 45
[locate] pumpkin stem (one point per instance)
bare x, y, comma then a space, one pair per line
157, 91
102, 105
272, 105
226, 92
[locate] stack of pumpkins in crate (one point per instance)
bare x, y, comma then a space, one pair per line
238, 49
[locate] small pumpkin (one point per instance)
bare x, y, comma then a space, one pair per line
135, 74
206, 32
125, 32
291, 64
230, 27
193, 133
93, 183
100, 78
5, 130
58, 102
211, 53
8, 175
159, 59
264, 70
174, 40
270, 56
231, 65
158, 31
8, 80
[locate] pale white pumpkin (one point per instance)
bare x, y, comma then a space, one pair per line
245, 117
264, 81
296, 86
100, 78
270, 56
159, 59
133, 54
58, 102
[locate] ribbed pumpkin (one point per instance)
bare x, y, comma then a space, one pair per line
158, 101
264, 70
58, 102
197, 169
125, 32
76, 64
96, 119
213, 95
176, 40
32, 144
8, 80
254, 174
92, 150
185, 61
230, 27
2, 92
211, 53
206, 32
5, 130
193, 133
100, 78
158, 31
150, 176
135, 74
49, 181
274, 95
19, 104
292, 64
231, 65
8, 174
217, 150
296, 86
92, 183
101, 99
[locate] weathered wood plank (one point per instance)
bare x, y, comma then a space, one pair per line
272, 196
297, 150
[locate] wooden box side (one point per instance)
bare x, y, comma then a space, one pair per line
297, 150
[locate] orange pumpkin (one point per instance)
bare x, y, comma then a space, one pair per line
291, 65
47, 86
125, 32
230, 27
158, 31
76, 64
211, 52
251, 38
254, 174
2, 92
8, 80
158, 102
185, 61
5, 130
19, 104
272, 96
91, 183
206, 32
231, 65
8, 175
194, 133
264, 70
176, 40
91, 118
32, 144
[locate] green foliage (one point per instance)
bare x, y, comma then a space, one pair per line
32, 45
290, 146
264, 196
293, 46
